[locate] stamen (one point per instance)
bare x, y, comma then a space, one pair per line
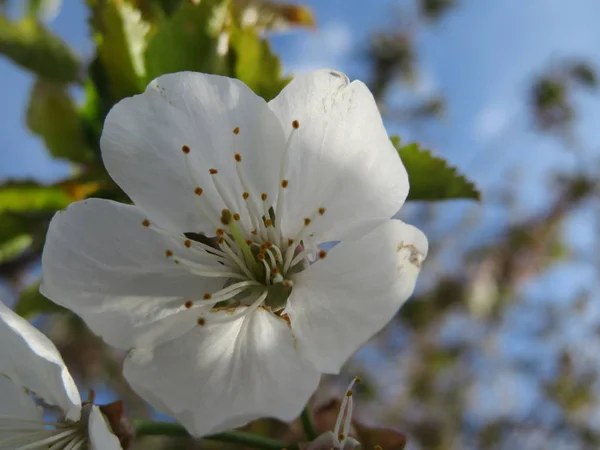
299, 257
229, 292
345, 412
76, 444
237, 260
208, 214
207, 271
247, 311
221, 190
296, 240
278, 255
249, 193
44, 441
284, 181
271, 258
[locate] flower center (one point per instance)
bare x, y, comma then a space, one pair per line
24, 434
255, 259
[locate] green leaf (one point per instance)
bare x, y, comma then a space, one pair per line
52, 115
120, 34
32, 46
188, 40
32, 303
431, 177
29, 195
15, 246
255, 63
43, 9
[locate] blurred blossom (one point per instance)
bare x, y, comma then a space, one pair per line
31, 369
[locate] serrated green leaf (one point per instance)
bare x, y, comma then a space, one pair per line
188, 40
52, 115
256, 64
32, 303
431, 177
32, 46
120, 33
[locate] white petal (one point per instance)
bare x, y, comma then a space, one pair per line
143, 138
101, 437
340, 158
222, 376
19, 415
102, 263
16, 403
338, 303
31, 360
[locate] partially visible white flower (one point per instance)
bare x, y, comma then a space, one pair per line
216, 279
339, 438
32, 369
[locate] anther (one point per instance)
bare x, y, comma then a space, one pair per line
275, 271
146, 222
322, 210
220, 240
341, 437
220, 232
261, 256
254, 232
322, 254
187, 243
213, 171
225, 217
168, 253
207, 296
349, 393
249, 242
263, 197
236, 130
296, 124
245, 196
307, 221
236, 217
198, 190
238, 157
201, 321
185, 149
290, 242
268, 223
188, 304
284, 183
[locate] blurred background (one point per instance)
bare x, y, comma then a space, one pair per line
499, 348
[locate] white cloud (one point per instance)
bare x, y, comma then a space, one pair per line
490, 122
326, 47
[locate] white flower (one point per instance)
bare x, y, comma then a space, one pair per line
215, 278
31, 367
339, 438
